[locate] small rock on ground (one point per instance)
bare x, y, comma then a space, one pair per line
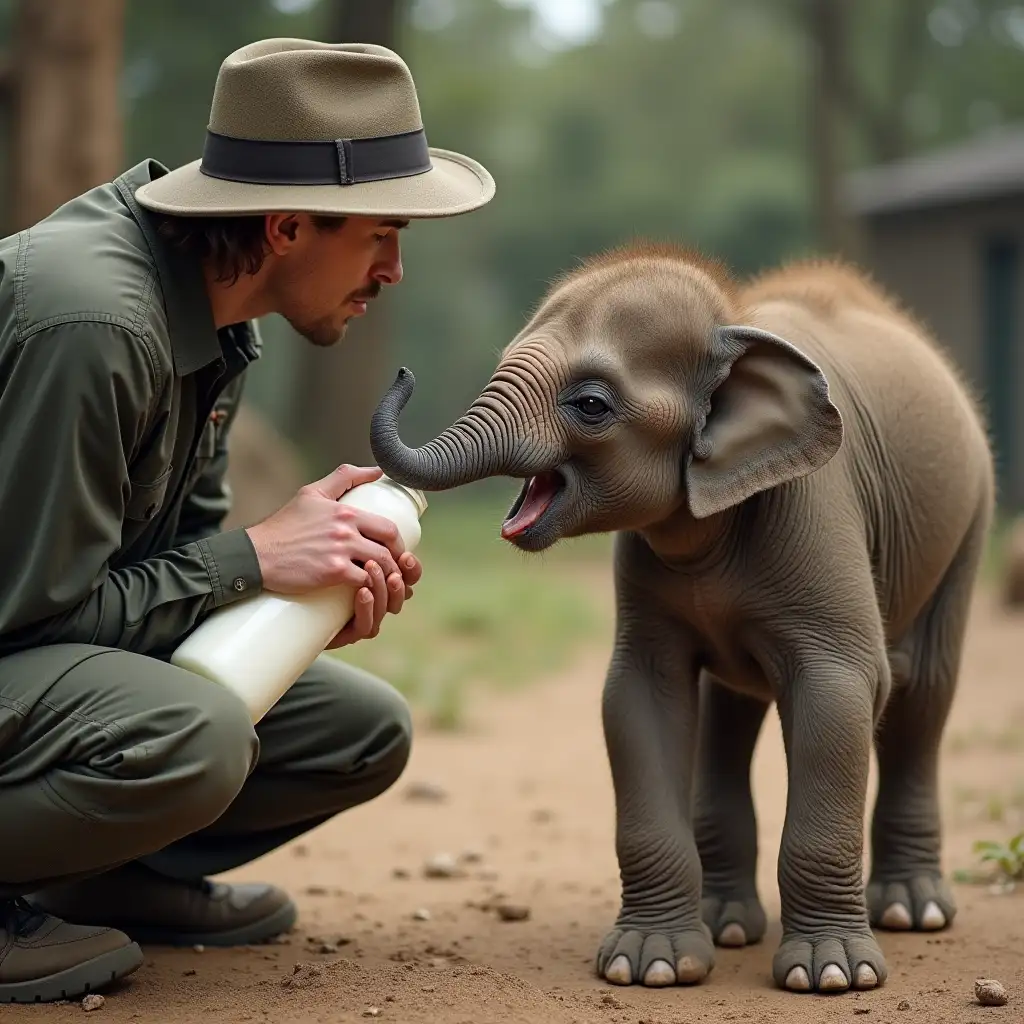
429, 792
442, 865
93, 1001
903, 1005
990, 992
512, 912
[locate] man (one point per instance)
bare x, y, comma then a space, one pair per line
125, 334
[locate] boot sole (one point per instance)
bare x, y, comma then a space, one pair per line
91, 976
281, 920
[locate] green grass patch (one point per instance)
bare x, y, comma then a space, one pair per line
484, 613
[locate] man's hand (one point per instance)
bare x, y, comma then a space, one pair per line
371, 603
314, 542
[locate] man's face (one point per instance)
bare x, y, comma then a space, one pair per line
325, 275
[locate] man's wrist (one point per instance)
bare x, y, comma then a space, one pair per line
233, 566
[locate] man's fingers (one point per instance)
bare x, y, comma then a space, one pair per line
369, 552
396, 593
345, 477
411, 568
359, 626
378, 582
362, 615
381, 530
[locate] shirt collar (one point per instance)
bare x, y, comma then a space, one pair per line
194, 340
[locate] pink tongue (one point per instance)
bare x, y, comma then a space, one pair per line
539, 493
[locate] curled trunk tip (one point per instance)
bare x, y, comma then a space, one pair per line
384, 441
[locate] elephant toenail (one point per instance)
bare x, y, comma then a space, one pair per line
797, 980
660, 974
690, 970
619, 971
897, 917
864, 976
833, 980
732, 935
932, 917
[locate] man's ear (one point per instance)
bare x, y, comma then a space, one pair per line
769, 419
280, 230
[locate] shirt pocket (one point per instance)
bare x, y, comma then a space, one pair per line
212, 442
147, 498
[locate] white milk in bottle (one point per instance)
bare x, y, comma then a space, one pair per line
259, 646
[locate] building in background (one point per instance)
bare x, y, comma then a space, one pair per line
944, 232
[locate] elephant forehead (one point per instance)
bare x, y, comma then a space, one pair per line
651, 291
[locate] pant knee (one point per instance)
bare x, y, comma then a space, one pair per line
214, 749
396, 729
379, 752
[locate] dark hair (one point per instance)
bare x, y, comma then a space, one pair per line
233, 245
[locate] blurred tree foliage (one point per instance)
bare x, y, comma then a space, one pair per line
683, 120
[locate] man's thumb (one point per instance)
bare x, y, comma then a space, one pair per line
344, 478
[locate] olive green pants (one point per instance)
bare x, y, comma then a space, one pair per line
108, 757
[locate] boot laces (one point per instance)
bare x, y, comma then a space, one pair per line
20, 918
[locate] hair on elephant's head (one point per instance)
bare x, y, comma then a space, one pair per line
634, 391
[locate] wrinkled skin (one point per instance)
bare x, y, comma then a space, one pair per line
801, 491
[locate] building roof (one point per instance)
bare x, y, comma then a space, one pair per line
988, 166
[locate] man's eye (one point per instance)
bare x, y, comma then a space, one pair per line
380, 238
591, 406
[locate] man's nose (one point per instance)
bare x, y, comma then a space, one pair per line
388, 269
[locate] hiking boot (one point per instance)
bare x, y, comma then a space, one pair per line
43, 959
155, 908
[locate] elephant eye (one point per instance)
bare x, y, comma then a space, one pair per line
591, 406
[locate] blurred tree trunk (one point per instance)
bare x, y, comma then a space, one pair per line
65, 116
827, 26
882, 121
337, 389
841, 102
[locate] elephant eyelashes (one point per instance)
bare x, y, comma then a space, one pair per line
590, 402
592, 407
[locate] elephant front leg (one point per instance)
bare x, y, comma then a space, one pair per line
827, 943
650, 706
725, 824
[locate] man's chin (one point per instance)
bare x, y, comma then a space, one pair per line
322, 335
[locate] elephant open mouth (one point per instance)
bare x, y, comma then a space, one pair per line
535, 500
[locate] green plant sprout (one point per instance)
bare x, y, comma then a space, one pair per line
1008, 857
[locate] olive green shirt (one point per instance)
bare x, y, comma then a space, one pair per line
116, 397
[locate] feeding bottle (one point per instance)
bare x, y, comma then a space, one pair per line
260, 645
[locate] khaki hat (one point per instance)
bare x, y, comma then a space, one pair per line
323, 128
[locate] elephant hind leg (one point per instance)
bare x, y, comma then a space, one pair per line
906, 890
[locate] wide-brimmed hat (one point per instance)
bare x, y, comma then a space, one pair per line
331, 128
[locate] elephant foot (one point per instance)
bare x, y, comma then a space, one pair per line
829, 963
734, 921
922, 903
656, 957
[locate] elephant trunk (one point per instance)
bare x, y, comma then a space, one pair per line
481, 443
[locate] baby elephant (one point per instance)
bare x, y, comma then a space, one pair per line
801, 489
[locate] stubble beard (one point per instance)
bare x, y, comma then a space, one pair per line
323, 333
327, 332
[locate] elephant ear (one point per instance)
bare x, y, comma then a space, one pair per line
768, 419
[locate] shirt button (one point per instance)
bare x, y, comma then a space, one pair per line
239, 583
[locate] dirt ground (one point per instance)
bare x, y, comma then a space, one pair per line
527, 793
